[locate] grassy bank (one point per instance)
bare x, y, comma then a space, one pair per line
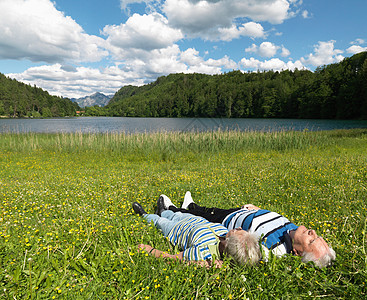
67, 230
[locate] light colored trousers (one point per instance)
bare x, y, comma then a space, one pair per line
167, 220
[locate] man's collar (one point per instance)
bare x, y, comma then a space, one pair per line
288, 243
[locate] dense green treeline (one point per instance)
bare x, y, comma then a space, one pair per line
21, 100
335, 91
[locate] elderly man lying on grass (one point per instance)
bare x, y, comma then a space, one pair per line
277, 233
202, 242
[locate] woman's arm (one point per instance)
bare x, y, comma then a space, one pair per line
158, 253
206, 263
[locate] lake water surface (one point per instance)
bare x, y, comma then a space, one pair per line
139, 125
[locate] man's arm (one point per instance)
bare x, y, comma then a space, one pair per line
158, 253
250, 207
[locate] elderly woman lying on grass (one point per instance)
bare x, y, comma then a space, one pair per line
202, 242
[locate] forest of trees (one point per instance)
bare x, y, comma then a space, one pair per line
21, 100
335, 91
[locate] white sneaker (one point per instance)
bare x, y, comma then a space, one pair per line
187, 200
167, 201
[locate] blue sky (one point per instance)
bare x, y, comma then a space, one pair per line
75, 48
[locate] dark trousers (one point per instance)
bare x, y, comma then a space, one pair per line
213, 214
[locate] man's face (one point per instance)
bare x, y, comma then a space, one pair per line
307, 240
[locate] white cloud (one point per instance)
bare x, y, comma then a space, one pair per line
251, 63
150, 65
125, 3
358, 42
218, 19
36, 30
196, 18
324, 53
357, 46
205, 18
146, 32
253, 29
253, 48
266, 49
285, 52
151, 5
356, 49
158, 62
306, 14
274, 64
250, 29
197, 64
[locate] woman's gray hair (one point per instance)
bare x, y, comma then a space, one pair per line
244, 250
323, 261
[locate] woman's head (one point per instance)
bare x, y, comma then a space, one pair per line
242, 246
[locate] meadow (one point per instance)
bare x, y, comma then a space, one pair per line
67, 230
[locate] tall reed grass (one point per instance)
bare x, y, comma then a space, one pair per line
172, 142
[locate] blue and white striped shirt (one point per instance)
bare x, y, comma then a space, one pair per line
194, 235
271, 228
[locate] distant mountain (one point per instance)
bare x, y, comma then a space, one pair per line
92, 100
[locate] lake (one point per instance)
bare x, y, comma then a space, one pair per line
139, 125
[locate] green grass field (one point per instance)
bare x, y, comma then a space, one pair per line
67, 230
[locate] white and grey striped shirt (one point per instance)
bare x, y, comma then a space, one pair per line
271, 228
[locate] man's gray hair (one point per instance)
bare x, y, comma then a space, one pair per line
323, 261
243, 250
